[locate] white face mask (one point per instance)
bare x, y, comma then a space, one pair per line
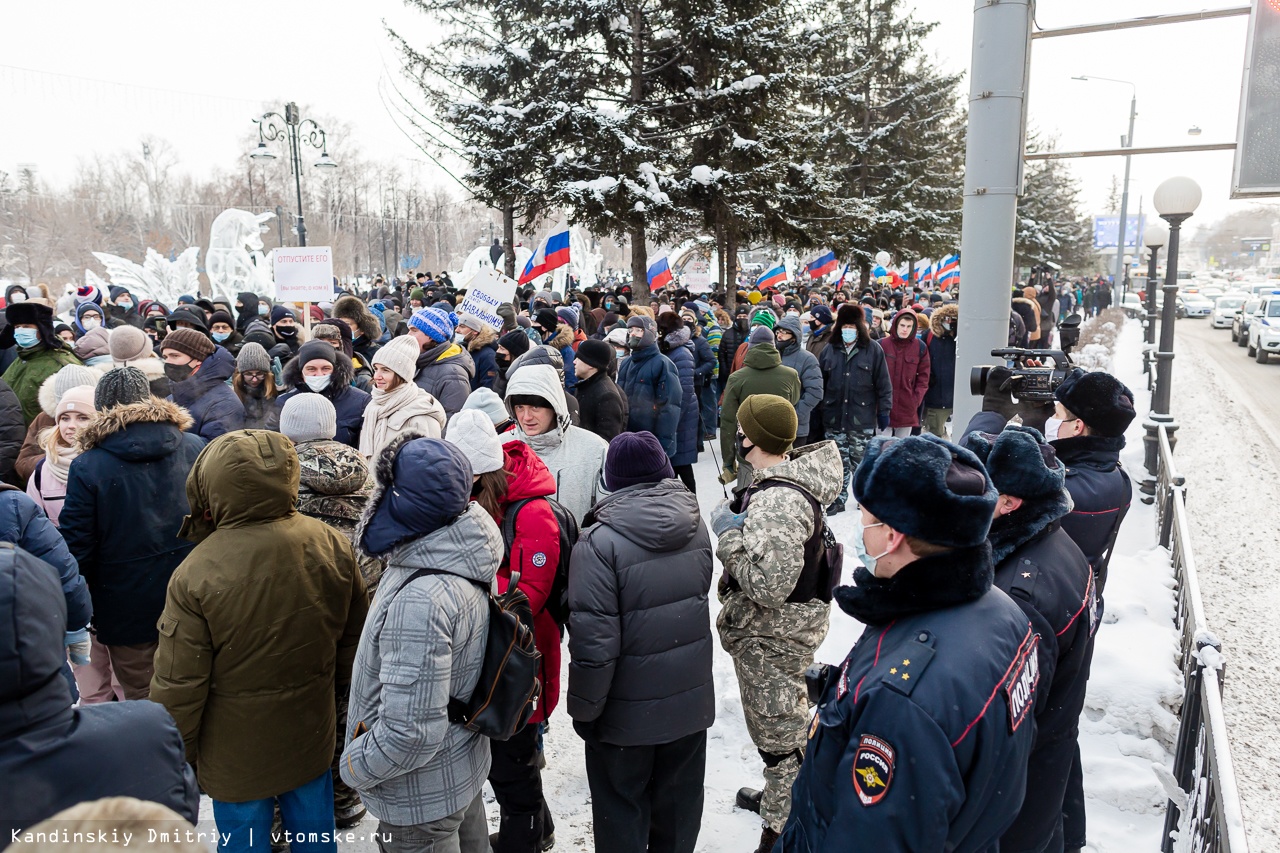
859, 546
797, 313
461, 340
22, 297
1051, 428
318, 383
91, 324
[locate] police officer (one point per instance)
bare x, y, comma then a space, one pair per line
921, 737
1048, 577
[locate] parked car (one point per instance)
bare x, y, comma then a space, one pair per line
1134, 306
1224, 309
1192, 304
1240, 324
1264, 331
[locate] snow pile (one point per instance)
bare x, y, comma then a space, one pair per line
705, 175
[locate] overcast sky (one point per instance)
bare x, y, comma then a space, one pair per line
80, 77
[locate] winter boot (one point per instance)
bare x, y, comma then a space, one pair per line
836, 507
768, 838
748, 799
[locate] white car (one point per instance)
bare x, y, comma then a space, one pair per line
1224, 309
1192, 304
1264, 332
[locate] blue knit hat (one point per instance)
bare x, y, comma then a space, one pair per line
634, 458
434, 323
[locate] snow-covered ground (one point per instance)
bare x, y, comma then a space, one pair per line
1127, 725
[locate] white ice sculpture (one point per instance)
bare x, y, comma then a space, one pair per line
584, 263
156, 277
235, 261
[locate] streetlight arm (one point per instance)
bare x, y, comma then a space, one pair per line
271, 126
313, 135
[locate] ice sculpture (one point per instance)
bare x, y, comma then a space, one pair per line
156, 277
235, 261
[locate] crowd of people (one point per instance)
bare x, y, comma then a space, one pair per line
250, 547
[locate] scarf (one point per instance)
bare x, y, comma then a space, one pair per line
57, 456
377, 432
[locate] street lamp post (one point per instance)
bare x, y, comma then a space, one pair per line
1126, 142
1154, 239
296, 131
1176, 199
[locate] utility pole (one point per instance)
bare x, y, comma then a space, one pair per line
992, 181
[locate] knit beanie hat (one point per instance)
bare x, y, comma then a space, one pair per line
279, 312
547, 319
308, 417
472, 431
78, 399
1103, 402
253, 357
598, 354
764, 316
769, 422
516, 343
568, 316
129, 343
435, 324
400, 355
189, 342
760, 335
822, 314
926, 487
119, 387
754, 297
313, 350
487, 401
633, 458
74, 376
472, 322
221, 317
419, 294
1019, 462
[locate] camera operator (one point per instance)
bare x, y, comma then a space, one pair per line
1045, 573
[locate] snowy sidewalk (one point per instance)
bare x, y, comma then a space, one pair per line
1127, 725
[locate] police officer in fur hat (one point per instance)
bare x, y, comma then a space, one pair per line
921, 737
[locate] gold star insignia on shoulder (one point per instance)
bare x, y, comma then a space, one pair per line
906, 663
905, 676
893, 671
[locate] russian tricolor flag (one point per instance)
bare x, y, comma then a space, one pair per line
822, 266
772, 277
659, 274
843, 276
948, 271
552, 253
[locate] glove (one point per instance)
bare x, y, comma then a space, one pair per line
728, 475
77, 643
882, 421
724, 519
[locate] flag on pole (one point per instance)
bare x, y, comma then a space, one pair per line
948, 271
553, 253
772, 277
659, 274
822, 266
923, 270
843, 275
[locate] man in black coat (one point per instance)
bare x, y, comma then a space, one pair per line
53, 756
602, 405
921, 736
1045, 573
641, 692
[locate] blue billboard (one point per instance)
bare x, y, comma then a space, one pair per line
1107, 228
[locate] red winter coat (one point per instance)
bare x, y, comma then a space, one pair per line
535, 552
908, 363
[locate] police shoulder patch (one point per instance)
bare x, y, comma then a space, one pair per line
539, 559
873, 766
1020, 687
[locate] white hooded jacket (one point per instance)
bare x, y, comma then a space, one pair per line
574, 456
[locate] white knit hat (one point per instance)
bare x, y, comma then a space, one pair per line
472, 432
487, 401
400, 355
308, 417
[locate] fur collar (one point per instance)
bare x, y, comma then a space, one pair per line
153, 410
945, 311
932, 583
563, 337
483, 338
1011, 532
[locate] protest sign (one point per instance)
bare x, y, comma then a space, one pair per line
485, 293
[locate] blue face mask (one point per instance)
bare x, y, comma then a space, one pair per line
848, 335
221, 336
26, 337
262, 309
860, 549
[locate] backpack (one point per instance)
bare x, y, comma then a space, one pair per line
508, 689
558, 599
823, 555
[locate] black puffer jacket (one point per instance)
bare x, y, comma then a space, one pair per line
53, 756
640, 628
215, 409
603, 406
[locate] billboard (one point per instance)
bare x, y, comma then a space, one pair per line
1106, 229
1256, 172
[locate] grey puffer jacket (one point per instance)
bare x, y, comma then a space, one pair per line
640, 629
806, 365
421, 645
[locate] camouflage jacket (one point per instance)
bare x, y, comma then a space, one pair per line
766, 555
334, 486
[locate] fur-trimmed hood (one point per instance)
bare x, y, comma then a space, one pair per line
351, 308
946, 311
563, 338
114, 420
48, 400
483, 338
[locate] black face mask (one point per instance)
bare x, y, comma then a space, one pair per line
289, 332
743, 447
503, 364
178, 372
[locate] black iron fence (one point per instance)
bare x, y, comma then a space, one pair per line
1206, 815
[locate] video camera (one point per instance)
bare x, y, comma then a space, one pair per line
1026, 382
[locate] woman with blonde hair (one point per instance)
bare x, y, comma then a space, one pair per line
48, 483
398, 405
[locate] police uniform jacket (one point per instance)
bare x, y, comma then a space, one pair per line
921, 736
1101, 493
